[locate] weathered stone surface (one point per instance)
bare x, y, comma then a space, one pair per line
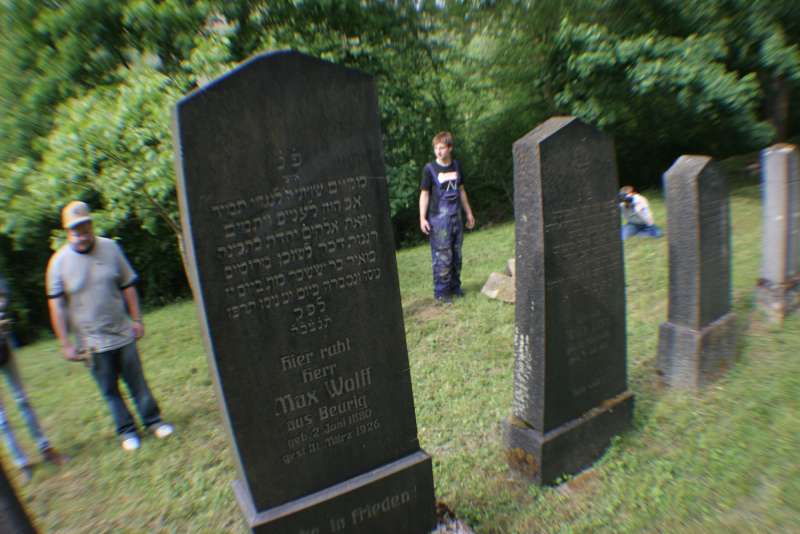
777, 301
778, 290
285, 213
511, 267
570, 381
698, 341
691, 358
499, 286
544, 457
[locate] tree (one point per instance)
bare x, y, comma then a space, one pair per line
663, 76
390, 40
105, 135
660, 96
111, 146
759, 37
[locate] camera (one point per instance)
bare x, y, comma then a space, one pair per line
5, 326
624, 198
5, 323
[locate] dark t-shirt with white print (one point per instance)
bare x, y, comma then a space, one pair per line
443, 182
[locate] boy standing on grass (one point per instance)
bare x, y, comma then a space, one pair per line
441, 200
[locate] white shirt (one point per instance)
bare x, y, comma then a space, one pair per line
638, 211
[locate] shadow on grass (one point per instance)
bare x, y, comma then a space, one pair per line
474, 287
420, 308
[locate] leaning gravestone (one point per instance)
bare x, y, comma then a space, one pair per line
698, 341
284, 207
778, 290
570, 383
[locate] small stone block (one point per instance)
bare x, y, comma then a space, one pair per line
499, 286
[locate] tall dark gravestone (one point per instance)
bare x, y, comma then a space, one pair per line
284, 205
13, 517
570, 380
778, 290
698, 342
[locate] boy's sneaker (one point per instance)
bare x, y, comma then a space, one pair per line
54, 457
162, 430
444, 299
25, 473
130, 442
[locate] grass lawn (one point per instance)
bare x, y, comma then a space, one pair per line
723, 460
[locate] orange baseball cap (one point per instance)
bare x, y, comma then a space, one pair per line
75, 213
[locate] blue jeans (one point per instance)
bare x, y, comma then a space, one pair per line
106, 368
14, 381
647, 230
447, 235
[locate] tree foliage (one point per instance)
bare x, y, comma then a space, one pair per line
107, 139
664, 77
87, 87
392, 41
52, 51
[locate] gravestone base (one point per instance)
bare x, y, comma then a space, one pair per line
542, 458
777, 301
691, 358
395, 498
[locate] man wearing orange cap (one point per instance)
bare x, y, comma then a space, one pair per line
91, 292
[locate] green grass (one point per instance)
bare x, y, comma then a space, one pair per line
722, 460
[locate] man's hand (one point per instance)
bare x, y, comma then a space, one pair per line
425, 226
70, 353
138, 329
470, 221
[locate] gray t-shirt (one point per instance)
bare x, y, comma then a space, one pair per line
92, 283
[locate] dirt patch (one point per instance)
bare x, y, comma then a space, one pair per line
582, 483
423, 309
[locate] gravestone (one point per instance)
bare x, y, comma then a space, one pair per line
13, 517
570, 380
698, 342
284, 205
778, 289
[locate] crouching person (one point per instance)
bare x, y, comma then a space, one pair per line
636, 211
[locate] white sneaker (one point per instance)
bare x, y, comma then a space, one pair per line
162, 430
131, 443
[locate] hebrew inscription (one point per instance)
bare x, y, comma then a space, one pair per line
296, 259
300, 255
